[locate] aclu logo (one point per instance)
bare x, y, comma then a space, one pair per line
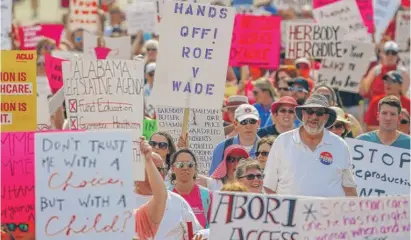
21, 57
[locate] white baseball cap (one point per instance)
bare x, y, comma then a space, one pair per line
246, 111
391, 46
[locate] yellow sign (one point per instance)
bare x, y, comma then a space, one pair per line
18, 91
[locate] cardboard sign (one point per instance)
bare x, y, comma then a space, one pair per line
112, 47
83, 182
5, 21
53, 71
346, 73
18, 91
198, 44
312, 40
43, 112
384, 11
141, 16
84, 14
205, 131
355, 218
106, 94
256, 41
253, 216
17, 177
380, 170
30, 35
345, 14
402, 29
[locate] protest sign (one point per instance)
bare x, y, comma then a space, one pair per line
354, 218
256, 41
296, 5
405, 60
346, 73
253, 216
347, 15
205, 130
30, 35
402, 29
43, 112
84, 14
380, 170
384, 11
111, 47
192, 65
141, 16
53, 71
18, 91
312, 40
149, 127
5, 21
83, 182
17, 177
106, 94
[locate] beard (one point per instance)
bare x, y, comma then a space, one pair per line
315, 130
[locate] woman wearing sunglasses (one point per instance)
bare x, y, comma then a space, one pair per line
263, 148
250, 174
342, 125
163, 144
183, 180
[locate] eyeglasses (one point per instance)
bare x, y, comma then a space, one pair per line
253, 176
248, 121
232, 159
337, 125
184, 164
262, 153
283, 89
389, 81
404, 121
161, 145
284, 111
311, 111
302, 66
12, 227
298, 89
162, 169
151, 49
391, 52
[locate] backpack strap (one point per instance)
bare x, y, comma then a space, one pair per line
205, 199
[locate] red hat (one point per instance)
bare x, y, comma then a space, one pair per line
221, 170
284, 100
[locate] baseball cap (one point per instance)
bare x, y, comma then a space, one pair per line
151, 67
246, 111
299, 80
235, 101
391, 46
301, 60
394, 76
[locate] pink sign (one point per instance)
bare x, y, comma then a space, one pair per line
365, 7
30, 35
17, 177
54, 72
256, 41
102, 52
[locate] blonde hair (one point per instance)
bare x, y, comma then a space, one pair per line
234, 187
246, 164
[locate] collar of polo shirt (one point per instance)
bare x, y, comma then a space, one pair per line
325, 140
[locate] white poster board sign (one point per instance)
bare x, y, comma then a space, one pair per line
205, 131
253, 216
141, 16
84, 14
106, 94
380, 170
402, 29
84, 185
192, 65
6, 20
347, 15
384, 11
346, 73
43, 113
118, 47
313, 40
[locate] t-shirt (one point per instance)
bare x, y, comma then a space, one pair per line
174, 224
403, 141
144, 227
370, 117
265, 113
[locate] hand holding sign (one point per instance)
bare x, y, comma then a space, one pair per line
145, 149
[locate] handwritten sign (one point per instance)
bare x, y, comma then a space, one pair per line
106, 94
402, 29
43, 113
252, 216
198, 44
347, 15
256, 41
380, 170
141, 16
18, 91
6, 20
355, 218
54, 72
312, 40
114, 47
384, 11
83, 182
205, 130
346, 73
30, 35
149, 127
84, 14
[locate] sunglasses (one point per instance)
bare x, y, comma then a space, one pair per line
248, 121
12, 227
284, 111
390, 81
253, 176
338, 125
283, 89
161, 145
404, 121
151, 49
302, 66
391, 52
262, 153
298, 89
232, 159
186, 164
151, 74
311, 111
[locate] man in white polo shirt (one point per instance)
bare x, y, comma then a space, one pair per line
310, 160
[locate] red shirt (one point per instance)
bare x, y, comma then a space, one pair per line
370, 117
